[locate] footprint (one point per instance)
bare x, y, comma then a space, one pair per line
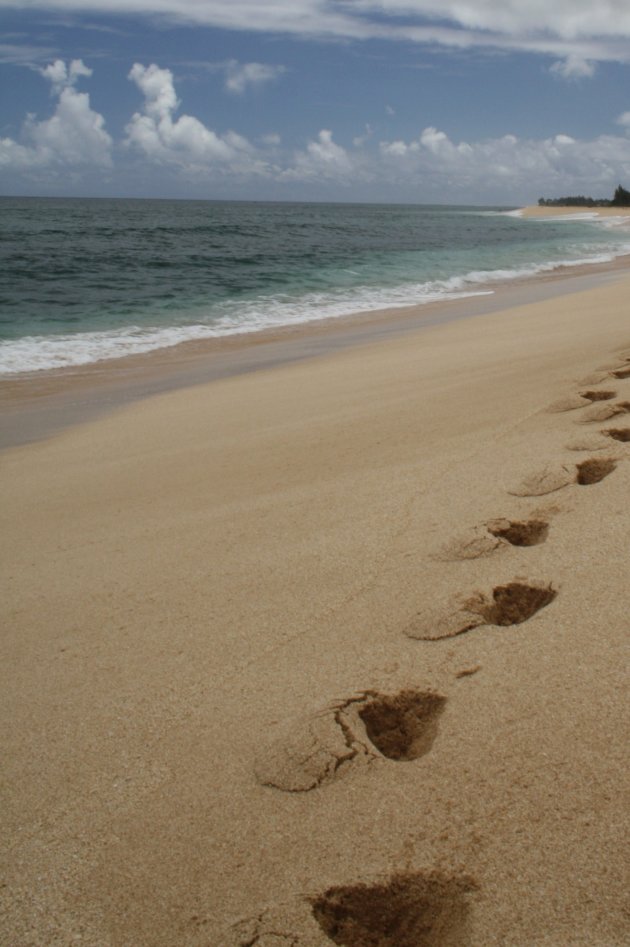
520, 532
498, 534
619, 434
588, 471
621, 373
602, 412
594, 470
411, 909
581, 400
310, 754
510, 604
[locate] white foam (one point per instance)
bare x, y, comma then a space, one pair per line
42, 353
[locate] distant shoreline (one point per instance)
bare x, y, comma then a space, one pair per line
569, 210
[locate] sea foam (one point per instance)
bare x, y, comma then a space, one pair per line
42, 353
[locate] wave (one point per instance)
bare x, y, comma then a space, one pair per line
43, 353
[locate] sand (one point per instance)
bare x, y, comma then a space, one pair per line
537, 211
330, 652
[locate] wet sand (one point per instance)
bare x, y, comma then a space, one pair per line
330, 648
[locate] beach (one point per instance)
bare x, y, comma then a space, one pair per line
331, 646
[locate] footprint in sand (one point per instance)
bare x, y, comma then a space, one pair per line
411, 909
498, 534
510, 604
621, 373
581, 400
408, 909
602, 412
548, 480
400, 727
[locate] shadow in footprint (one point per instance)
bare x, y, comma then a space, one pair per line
410, 910
515, 603
619, 434
598, 395
622, 373
403, 727
594, 470
520, 532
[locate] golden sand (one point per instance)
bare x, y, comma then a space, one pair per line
330, 653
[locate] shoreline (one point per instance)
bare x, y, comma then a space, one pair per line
40, 404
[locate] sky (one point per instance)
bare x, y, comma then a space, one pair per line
494, 102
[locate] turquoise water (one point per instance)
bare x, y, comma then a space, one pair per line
85, 280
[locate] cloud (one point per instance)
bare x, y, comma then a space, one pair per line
500, 168
74, 136
185, 142
573, 67
241, 76
62, 76
324, 160
23, 54
429, 166
573, 31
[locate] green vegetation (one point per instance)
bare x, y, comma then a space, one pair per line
621, 198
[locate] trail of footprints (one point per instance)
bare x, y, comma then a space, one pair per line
421, 909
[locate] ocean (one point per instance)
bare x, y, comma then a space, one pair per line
83, 280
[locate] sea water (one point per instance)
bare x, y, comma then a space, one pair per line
82, 280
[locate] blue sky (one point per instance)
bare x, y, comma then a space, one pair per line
461, 101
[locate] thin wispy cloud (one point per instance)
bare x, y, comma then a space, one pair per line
574, 31
25, 54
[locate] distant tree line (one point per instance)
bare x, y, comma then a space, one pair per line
621, 198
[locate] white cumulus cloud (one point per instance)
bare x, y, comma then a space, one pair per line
325, 160
183, 141
500, 168
73, 137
